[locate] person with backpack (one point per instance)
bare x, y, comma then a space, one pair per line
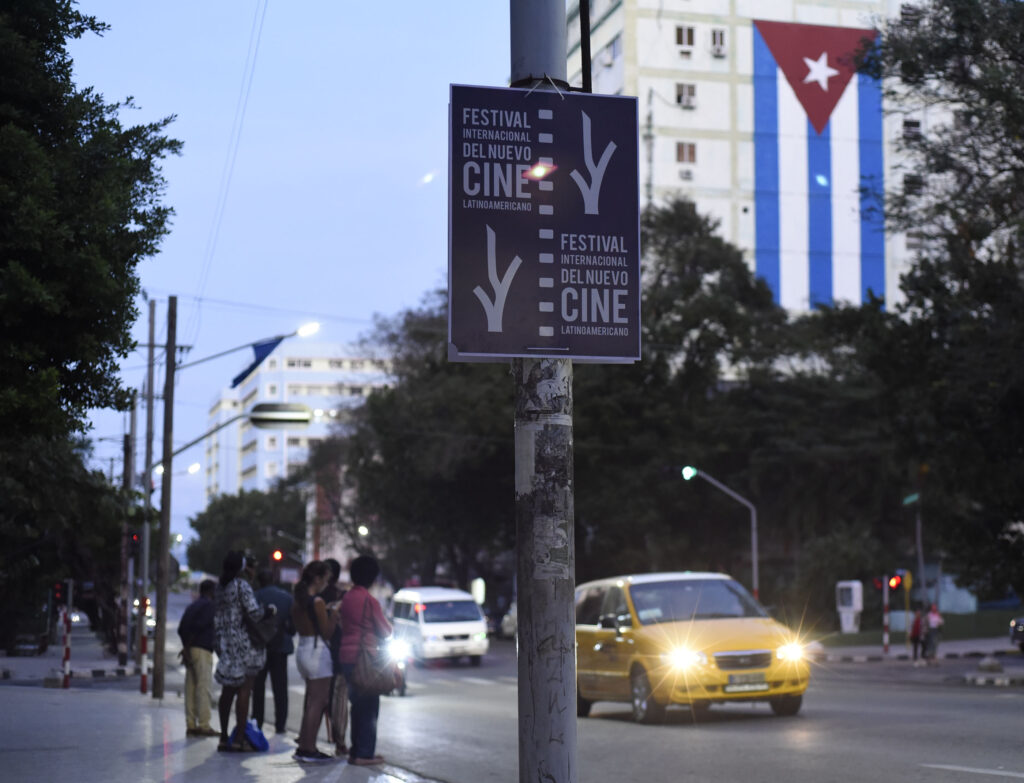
279, 648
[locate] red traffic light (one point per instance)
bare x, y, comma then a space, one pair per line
895, 581
277, 555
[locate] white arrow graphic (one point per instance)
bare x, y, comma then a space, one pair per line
591, 193
496, 309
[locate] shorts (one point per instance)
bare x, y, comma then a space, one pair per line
313, 660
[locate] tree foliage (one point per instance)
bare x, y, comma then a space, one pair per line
955, 389
79, 208
248, 521
426, 464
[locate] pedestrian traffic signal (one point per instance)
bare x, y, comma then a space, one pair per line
277, 555
895, 581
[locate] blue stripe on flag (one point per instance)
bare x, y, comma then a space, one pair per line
819, 214
872, 220
766, 165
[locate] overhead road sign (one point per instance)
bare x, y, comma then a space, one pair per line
544, 226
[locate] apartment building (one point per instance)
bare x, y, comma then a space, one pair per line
330, 378
752, 109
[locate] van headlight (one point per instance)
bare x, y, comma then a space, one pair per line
684, 658
790, 652
399, 650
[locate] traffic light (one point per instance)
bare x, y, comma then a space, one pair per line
878, 583
277, 555
689, 472
895, 581
58, 593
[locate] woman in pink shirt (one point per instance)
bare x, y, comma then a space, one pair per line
362, 624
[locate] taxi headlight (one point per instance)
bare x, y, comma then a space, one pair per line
684, 658
790, 652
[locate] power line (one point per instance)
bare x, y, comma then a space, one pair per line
255, 35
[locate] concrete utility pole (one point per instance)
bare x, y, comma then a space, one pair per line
164, 537
147, 478
545, 567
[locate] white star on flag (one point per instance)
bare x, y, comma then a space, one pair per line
819, 71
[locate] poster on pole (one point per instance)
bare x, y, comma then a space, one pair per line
543, 226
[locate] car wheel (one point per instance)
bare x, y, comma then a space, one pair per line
474, 660
582, 705
786, 706
645, 708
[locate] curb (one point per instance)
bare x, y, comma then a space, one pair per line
76, 674
905, 657
994, 680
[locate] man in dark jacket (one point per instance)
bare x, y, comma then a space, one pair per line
337, 706
278, 650
197, 642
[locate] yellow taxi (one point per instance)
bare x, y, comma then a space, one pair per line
682, 638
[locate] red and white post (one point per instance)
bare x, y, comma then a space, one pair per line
885, 615
144, 642
66, 664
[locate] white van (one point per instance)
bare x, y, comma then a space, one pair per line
439, 622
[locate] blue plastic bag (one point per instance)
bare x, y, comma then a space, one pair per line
253, 734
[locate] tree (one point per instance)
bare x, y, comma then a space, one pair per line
79, 208
426, 465
957, 389
249, 522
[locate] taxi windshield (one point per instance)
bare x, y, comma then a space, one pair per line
450, 611
692, 599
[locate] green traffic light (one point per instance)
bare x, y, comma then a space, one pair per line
689, 472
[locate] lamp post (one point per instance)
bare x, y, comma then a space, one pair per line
690, 472
164, 535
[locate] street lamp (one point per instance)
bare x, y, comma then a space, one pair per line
163, 542
690, 472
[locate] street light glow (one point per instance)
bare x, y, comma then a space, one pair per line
194, 468
364, 530
307, 330
689, 472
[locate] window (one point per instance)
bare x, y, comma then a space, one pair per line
271, 470
588, 605
271, 389
615, 603
718, 42
249, 447
686, 152
271, 442
355, 391
357, 364
684, 40
272, 364
911, 129
300, 363
686, 95
336, 364
294, 442
913, 184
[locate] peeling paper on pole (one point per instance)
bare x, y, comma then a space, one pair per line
551, 549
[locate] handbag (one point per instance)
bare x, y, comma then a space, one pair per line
374, 672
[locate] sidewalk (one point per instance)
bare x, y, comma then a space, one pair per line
88, 660
96, 735
998, 649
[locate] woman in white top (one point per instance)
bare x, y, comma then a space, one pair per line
315, 623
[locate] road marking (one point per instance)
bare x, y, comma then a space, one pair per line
477, 680
1002, 773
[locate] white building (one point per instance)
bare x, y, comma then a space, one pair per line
330, 378
751, 109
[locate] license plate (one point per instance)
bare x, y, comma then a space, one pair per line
746, 687
744, 683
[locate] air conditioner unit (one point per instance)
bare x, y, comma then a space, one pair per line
718, 50
685, 51
687, 102
686, 174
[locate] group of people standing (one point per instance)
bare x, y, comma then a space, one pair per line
925, 632
332, 624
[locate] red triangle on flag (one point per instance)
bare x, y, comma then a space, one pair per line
817, 61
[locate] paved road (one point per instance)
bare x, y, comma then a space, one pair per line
860, 722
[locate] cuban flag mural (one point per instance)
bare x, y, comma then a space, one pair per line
817, 142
